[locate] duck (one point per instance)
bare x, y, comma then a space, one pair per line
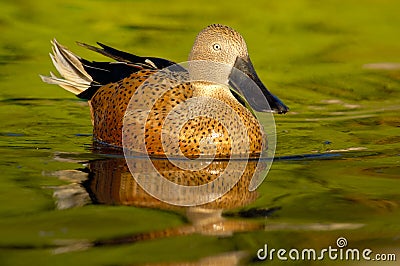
129, 111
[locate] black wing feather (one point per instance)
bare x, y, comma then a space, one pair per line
104, 73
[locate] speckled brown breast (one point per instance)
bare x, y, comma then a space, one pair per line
109, 104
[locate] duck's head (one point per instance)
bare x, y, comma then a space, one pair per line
222, 44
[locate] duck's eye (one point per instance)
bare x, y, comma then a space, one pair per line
216, 46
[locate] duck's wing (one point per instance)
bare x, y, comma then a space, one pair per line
121, 56
108, 72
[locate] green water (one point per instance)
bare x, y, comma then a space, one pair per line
338, 167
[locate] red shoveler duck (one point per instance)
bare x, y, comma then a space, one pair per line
109, 87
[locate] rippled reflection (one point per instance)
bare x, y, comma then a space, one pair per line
108, 181
111, 182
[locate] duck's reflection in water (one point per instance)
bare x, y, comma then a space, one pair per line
110, 182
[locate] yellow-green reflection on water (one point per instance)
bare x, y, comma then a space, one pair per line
334, 63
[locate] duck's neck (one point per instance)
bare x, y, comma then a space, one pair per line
214, 90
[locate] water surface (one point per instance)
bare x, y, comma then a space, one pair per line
337, 171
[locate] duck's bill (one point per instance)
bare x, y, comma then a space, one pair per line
258, 97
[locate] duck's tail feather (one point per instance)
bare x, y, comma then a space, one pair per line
74, 77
